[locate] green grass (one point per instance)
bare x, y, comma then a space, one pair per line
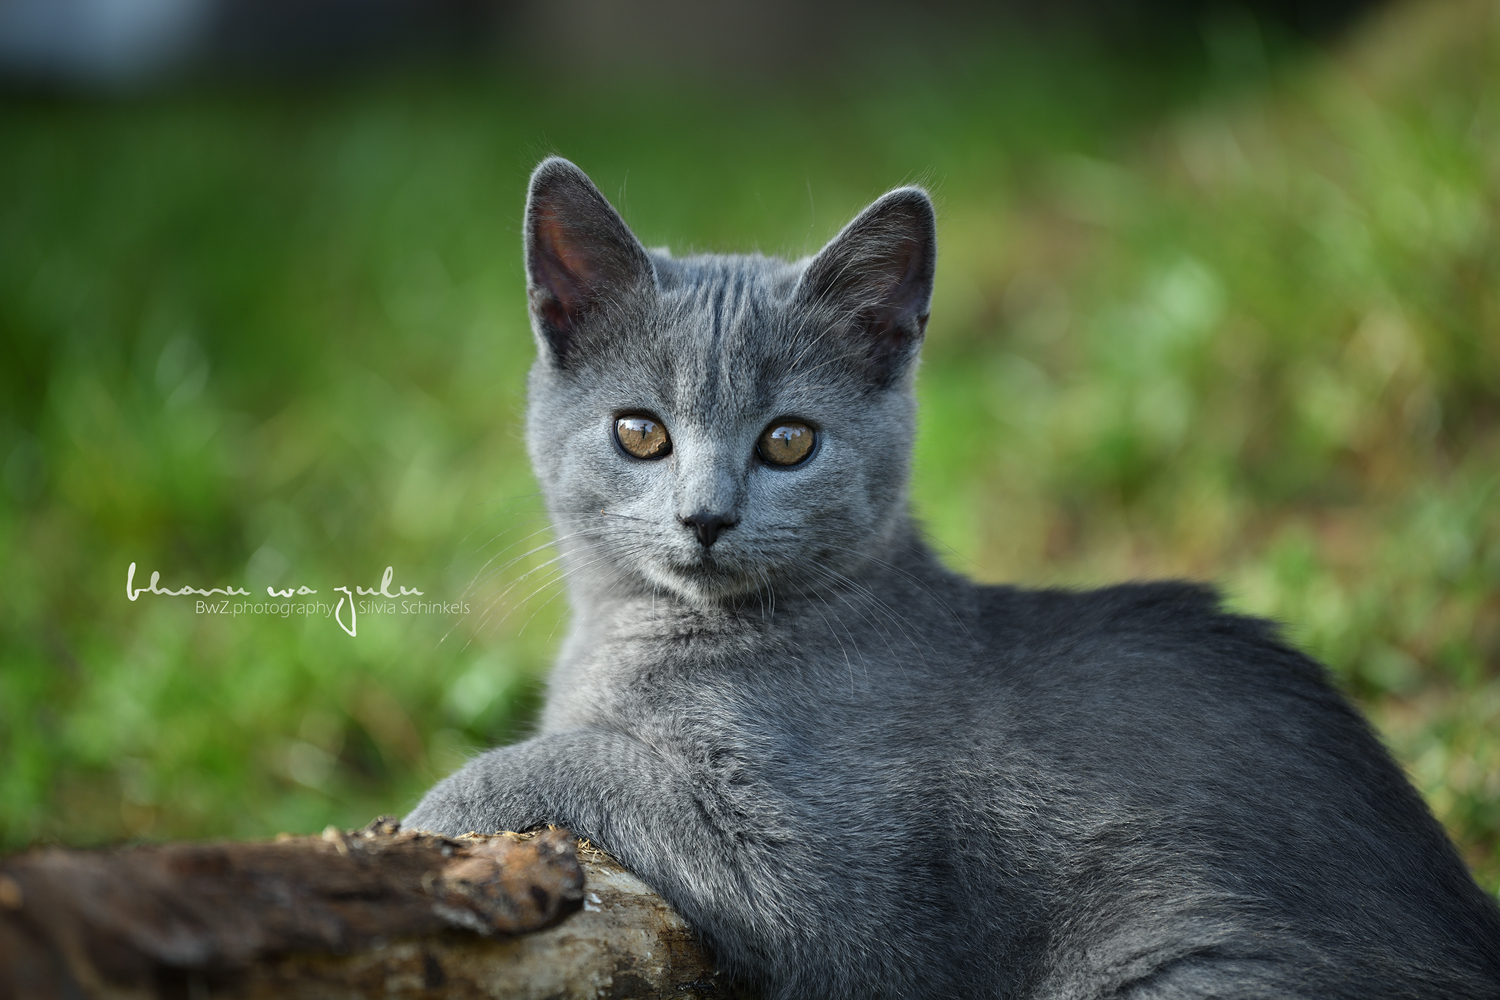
1188, 322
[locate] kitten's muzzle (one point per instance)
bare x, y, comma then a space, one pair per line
707, 526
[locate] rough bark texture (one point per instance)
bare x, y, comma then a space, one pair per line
372, 913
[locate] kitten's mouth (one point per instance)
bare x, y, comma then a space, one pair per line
709, 577
704, 566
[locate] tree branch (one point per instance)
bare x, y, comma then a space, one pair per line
378, 912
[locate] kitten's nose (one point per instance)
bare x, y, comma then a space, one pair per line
707, 526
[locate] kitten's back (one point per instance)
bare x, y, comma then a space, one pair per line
1213, 789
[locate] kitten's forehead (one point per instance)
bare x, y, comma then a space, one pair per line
730, 335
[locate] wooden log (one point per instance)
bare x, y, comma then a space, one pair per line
378, 912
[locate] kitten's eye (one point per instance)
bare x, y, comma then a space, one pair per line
643, 437
786, 442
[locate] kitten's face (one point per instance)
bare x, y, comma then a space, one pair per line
721, 428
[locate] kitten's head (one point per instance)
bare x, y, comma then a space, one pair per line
715, 426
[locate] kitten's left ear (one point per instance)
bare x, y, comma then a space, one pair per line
878, 273
580, 256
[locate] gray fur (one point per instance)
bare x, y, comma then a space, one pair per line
859, 775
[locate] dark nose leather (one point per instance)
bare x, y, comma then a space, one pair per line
707, 526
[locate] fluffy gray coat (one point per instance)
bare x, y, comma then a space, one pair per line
861, 776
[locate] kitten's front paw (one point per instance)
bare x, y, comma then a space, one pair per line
438, 816
474, 801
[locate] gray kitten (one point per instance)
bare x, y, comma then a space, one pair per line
859, 775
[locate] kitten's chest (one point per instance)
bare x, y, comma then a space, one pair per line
737, 706
651, 675
746, 705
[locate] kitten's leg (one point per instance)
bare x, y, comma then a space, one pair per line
601, 784
751, 879
621, 794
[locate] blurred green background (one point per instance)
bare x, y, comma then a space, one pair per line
1229, 310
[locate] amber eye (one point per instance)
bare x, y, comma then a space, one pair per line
786, 442
643, 437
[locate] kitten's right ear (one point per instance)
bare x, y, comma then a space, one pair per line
579, 256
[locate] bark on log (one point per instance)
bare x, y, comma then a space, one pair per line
378, 912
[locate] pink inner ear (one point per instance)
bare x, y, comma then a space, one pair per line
576, 273
554, 314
